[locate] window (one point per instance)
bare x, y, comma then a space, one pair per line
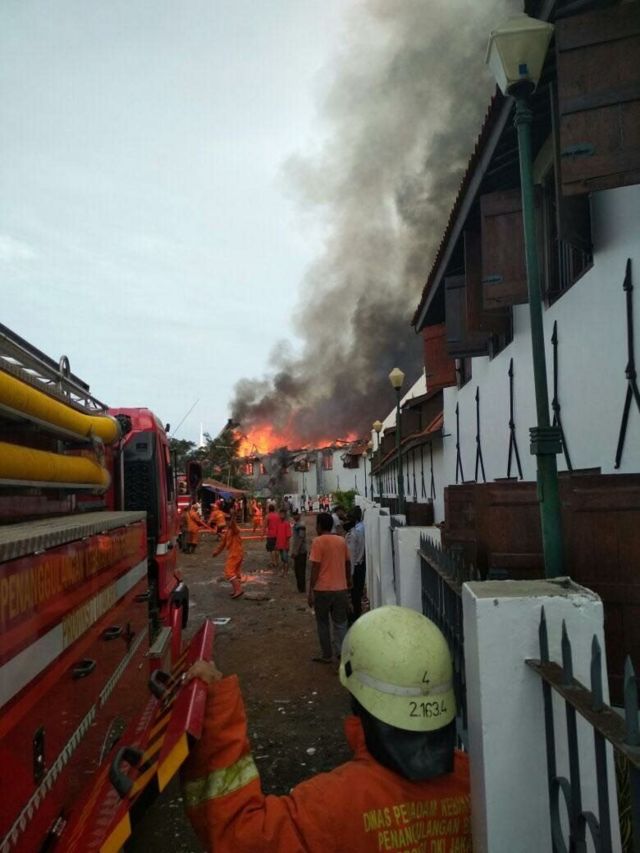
327, 461
564, 237
263, 469
248, 469
461, 341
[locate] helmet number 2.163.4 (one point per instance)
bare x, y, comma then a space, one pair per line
427, 709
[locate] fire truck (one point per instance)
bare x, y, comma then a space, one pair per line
94, 716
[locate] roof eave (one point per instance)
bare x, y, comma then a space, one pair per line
465, 208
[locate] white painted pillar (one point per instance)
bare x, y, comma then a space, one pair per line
387, 580
408, 576
372, 551
509, 788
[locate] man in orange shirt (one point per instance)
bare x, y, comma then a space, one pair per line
271, 523
406, 788
283, 537
330, 580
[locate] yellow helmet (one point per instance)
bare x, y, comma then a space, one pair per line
397, 664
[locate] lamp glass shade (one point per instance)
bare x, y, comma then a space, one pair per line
377, 425
396, 377
516, 51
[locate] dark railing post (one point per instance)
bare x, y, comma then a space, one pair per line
608, 726
632, 739
443, 574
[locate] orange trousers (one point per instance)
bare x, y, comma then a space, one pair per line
233, 565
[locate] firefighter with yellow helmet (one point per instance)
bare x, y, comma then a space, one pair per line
406, 787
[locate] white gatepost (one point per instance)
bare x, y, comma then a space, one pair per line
387, 579
509, 785
406, 543
372, 551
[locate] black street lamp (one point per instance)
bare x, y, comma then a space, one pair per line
377, 426
516, 54
396, 378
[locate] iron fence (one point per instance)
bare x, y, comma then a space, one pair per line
443, 574
621, 732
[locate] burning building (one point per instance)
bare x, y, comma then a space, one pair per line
309, 471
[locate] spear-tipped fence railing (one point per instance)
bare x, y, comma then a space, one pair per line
443, 573
622, 732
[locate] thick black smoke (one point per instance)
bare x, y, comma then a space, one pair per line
404, 110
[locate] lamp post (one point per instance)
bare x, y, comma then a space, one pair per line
377, 426
369, 456
396, 378
515, 55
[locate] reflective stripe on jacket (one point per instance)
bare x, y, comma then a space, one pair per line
359, 806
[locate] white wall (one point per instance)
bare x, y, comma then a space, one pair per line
592, 355
341, 478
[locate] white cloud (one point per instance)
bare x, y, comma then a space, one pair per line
14, 250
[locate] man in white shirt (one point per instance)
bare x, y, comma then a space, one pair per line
355, 544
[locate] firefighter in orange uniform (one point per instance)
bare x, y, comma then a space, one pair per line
257, 516
232, 541
217, 520
406, 788
194, 525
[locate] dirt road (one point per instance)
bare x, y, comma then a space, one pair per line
295, 707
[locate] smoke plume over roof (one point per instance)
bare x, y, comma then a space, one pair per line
403, 111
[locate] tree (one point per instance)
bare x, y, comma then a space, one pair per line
220, 460
345, 500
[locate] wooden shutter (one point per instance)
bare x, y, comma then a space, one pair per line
504, 276
409, 421
573, 212
599, 98
440, 368
479, 319
460, 341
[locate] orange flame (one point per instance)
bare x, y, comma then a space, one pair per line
266, 439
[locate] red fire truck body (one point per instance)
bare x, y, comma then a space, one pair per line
91, 606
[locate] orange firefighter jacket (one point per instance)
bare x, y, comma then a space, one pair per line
194, 522
359, 806
232, 541
217, 519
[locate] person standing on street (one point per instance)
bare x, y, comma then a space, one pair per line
217, 519
194, 526
406, 787
232, 541
270, 530
328, 586
299, 551
355, 544
283, 537
257, 516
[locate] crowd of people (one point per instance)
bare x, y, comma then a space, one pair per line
406, 776
337, 567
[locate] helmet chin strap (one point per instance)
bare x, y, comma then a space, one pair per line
416, 756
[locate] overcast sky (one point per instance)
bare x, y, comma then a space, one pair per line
147, 229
